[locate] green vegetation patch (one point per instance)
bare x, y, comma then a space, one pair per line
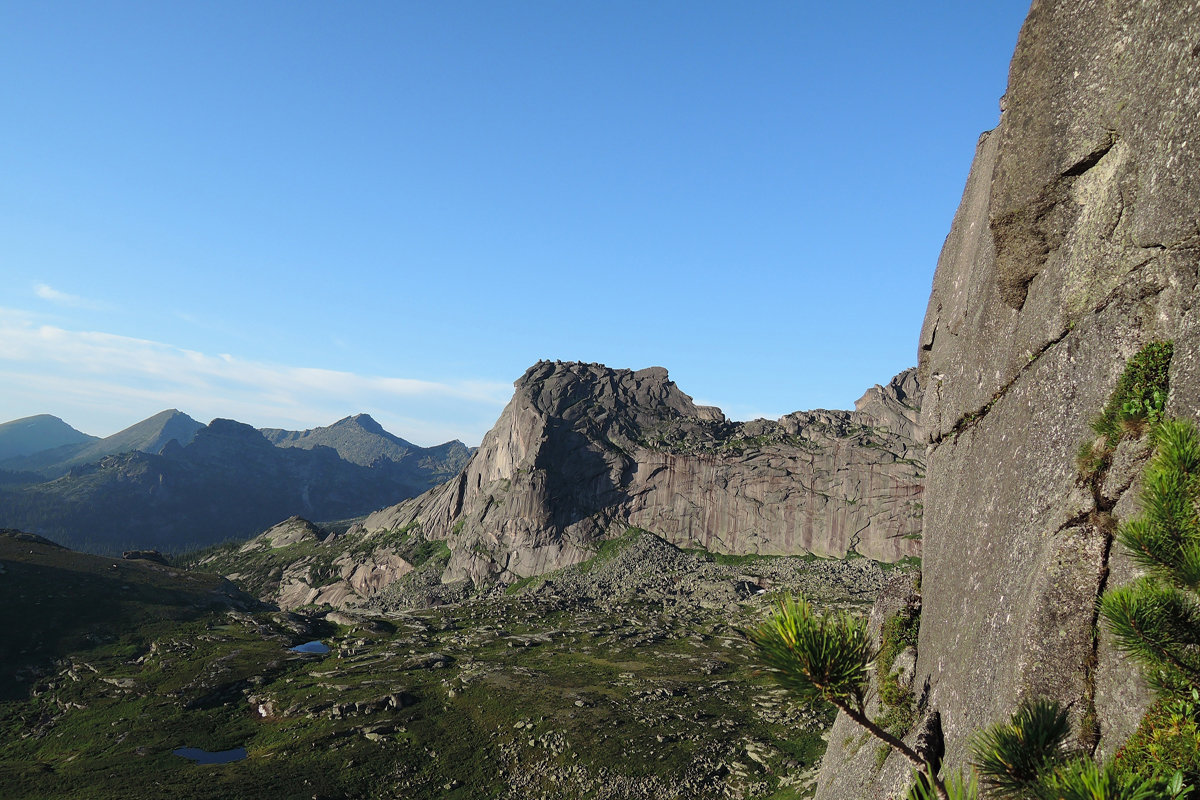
907, 563
898, 704
426, 551
1139, 399
54, 601
553, 695
745, 560
1141, 392
512, 697
1168, 738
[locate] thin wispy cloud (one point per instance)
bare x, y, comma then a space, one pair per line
50, 294
116, 374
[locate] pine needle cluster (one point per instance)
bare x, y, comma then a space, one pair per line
828, 657
1157, 618
1012, 755
1027, 758
816, 656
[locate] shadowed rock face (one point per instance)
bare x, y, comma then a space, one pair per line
582, 447
1076, 243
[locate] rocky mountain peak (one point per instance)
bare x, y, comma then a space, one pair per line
292, 530
363, 421
224, 439
582, 447
896, 406
555, 387
150, 435
230, 429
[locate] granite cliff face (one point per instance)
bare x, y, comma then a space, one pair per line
582, 448
1077, 242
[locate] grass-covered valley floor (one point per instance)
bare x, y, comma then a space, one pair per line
625, 676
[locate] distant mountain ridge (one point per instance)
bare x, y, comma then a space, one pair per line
170, 482
28, 435
361, 440
148, 436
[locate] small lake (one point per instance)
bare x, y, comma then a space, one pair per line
205, 757
311, 647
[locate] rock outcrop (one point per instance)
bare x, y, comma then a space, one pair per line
1077, 242
295, 564
582, 448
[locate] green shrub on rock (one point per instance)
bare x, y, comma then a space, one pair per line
1140, 395
1169, 734
898, 633
1026, 758
1139, 399
1156, 619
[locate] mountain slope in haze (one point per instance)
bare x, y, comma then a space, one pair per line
361, 440
148, 436
229, 481
29, 435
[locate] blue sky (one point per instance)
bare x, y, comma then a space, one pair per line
288, 212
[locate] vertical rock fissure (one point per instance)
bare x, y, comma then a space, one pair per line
1091, 722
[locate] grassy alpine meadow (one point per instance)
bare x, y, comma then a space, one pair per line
542, 692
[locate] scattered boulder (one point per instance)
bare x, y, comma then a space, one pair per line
146, 555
